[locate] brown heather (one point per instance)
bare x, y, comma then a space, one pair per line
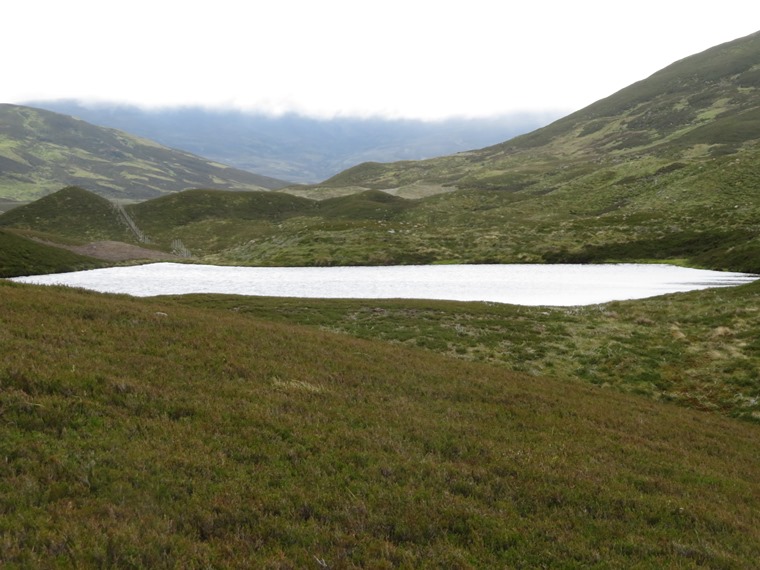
143, 433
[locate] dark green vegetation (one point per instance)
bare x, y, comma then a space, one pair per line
21, 256
267, 228
42, 151
144, 433
697, 349
71, 214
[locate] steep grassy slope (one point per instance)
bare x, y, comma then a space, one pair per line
147, 434
703, 105
666, 168
42, 151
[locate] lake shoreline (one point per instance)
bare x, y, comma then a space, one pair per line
521, 284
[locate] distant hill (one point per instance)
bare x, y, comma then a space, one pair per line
214, 224
71, 213
704, 106
42, 151
667, 169
297, 148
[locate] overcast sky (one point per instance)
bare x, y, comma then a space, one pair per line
397, 58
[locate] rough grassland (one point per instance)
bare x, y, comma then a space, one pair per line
698, 349
141, 433
21, 256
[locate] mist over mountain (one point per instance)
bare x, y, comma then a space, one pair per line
297, 148
664, 169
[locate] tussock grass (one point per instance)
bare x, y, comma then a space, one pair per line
697, 349
142, 433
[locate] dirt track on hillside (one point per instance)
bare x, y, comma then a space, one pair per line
117, 251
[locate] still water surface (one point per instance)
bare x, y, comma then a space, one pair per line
559, 285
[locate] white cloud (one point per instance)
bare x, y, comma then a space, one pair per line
413, 58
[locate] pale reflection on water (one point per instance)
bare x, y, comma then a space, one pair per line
559, 285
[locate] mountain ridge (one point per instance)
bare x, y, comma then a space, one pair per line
226, 431
301, 149
42, 151
664, 170
651, 114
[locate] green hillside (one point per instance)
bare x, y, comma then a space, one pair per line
664, 170
22, 256
704, 105
667, 169
269, 228
261, 227
165, 436
41, 151
367, 205
228, 432
71, 213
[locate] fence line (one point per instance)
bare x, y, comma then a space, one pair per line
130, 223
178, 248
